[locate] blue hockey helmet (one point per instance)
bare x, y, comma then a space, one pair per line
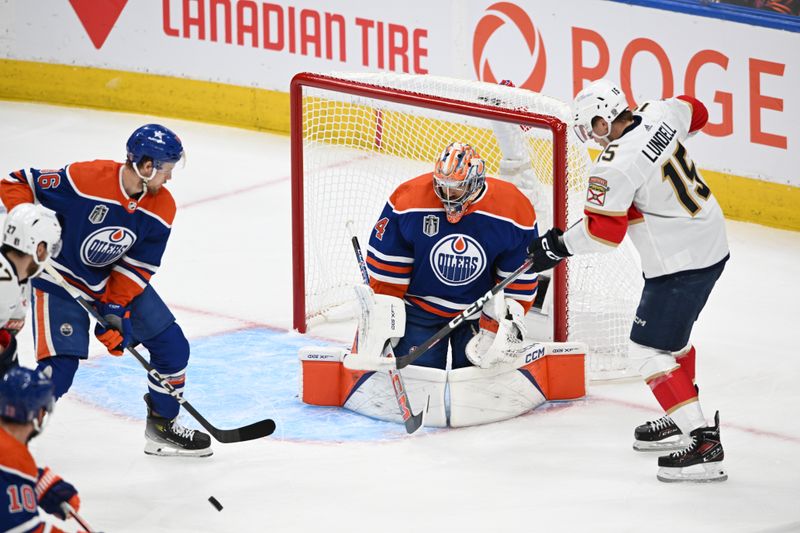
156, 142
23, 395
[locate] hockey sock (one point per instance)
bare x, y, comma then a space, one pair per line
677, 396
686, 358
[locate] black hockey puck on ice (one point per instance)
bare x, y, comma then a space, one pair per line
215, 503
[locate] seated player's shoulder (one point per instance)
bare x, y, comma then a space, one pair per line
160, 205
416, 193
504, 200
15, 456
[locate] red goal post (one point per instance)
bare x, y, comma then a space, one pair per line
352, 133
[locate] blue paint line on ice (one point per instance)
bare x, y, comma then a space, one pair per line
234, 379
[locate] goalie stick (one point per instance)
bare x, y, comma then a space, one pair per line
403, 361
413, 422
250, 432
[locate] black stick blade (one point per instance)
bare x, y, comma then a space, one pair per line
251, 432
415, 422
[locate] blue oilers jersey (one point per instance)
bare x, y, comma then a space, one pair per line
441, 268
19, 510
112, 243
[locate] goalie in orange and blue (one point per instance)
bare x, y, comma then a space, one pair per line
445, 238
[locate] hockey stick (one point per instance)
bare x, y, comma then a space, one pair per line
403, 361
413, 422
72, 513
253, 431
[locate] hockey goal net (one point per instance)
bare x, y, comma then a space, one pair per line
357, 136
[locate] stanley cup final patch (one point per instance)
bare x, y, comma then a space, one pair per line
596, 193
98, 214
430, 225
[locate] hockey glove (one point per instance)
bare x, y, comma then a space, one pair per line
8, 351
119, 332
548, 250
52, 491
501, 333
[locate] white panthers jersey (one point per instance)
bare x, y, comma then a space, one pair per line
12, 294
645, 181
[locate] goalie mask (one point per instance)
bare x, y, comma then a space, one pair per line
155, 143
458, 178
598, 99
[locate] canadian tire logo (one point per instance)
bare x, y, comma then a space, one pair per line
498, 15
98, 17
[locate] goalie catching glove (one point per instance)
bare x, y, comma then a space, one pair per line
501, 332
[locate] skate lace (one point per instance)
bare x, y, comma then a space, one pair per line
661, 423
182, 431
680, 453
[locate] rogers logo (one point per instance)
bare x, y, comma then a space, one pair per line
497, 15
98, 18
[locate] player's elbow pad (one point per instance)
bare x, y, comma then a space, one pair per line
699, 113
579, 241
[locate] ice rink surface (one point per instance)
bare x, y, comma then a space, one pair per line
569, 467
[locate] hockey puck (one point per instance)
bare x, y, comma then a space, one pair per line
215, 503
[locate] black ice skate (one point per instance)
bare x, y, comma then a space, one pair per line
167, 437
700, 462
660, 435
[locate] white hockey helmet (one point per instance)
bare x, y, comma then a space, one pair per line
602, 99
27, 225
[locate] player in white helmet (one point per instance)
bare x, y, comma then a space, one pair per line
644, 184
31, 236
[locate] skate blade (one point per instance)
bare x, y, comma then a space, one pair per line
703, 473
667, 445
167, 450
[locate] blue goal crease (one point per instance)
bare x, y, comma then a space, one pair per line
234, 379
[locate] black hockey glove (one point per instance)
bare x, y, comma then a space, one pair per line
548, 250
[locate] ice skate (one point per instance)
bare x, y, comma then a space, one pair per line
700, 462
659, 435
168, 438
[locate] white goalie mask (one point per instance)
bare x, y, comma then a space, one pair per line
27, 225
602, 99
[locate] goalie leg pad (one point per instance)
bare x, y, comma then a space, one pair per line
374, 395
540, 372
481, 396
321, 375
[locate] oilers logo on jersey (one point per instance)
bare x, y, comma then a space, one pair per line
457, 259
106, 245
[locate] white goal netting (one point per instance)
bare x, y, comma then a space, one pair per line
355, 146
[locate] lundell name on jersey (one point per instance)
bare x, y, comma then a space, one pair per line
659, 142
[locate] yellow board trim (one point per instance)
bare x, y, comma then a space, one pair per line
203, 101
741, 198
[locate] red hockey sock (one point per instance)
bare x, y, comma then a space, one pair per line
686, 360
673, 390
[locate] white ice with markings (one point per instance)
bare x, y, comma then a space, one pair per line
569, 467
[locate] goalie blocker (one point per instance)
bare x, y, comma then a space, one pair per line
540, 372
